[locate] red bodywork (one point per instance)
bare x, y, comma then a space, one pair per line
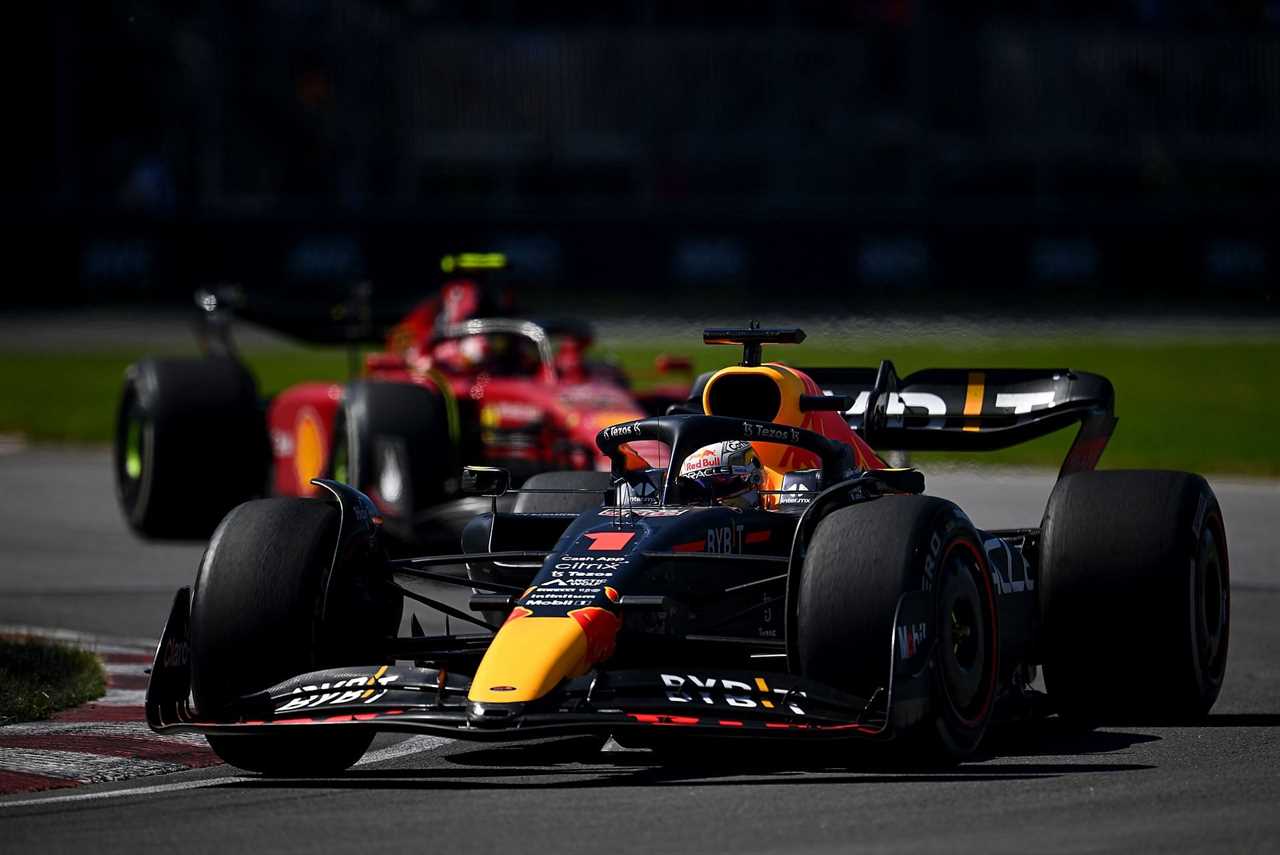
545, 418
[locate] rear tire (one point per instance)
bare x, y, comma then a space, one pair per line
190, 444
860, 561
1135, 595
256, 620
392, 441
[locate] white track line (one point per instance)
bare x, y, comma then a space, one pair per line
131, 669
122, 698
134, 729
79, 766
132, 791
412, 745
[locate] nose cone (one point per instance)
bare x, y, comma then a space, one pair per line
531, 655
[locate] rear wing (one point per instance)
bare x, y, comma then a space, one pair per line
983, 409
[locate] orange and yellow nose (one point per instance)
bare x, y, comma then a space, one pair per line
530, 655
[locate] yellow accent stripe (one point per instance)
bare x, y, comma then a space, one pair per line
377, 676
973, 398
761, 684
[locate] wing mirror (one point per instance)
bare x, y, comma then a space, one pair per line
485, 481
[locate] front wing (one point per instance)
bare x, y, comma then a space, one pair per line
715, 703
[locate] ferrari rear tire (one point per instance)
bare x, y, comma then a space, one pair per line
190, 444
860, 561
257, 619
1135, 595
393, 442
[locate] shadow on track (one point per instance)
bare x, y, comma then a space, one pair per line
546, 765
1055, 738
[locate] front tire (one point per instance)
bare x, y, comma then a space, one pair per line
1135, 595
860, 561
257, 619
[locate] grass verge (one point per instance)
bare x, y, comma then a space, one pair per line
1201, 405
39, 677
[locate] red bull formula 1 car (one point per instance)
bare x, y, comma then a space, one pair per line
749, 569
457, 382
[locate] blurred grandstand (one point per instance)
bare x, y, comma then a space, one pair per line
866, 150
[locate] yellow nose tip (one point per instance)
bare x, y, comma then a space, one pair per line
528, 658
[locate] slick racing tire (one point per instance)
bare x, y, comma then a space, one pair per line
860, 561
190, 444
393, 442
256, 620
1135, 596
548, 503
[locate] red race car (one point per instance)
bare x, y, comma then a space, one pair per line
453, 386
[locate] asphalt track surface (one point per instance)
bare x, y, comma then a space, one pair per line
66, 561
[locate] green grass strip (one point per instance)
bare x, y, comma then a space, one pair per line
1205, 405
38, 678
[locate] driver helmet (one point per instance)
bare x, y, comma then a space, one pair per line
728, 473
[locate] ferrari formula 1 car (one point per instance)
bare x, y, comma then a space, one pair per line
749, 571
453, 385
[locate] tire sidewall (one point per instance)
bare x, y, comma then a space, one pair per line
1124, 624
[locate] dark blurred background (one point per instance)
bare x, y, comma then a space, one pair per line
886, 152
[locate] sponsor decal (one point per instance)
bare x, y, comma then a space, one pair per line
770, 433
176, 653
601, 629
1024, 402
509, 414
1010, 573
608, 541
795, 494
594, 565
725, 538
364, 690
644, 512
723, 691
910, 639
645, 492
630, 429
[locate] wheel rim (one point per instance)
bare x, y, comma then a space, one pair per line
966, 646
133, 446
1212, 604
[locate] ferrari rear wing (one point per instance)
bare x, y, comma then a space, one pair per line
975, 409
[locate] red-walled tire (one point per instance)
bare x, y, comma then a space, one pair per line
860, 561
